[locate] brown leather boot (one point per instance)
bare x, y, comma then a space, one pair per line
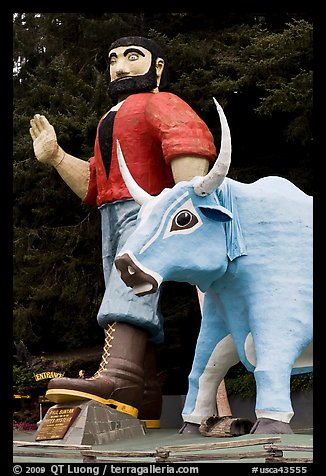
151, 406
119, 382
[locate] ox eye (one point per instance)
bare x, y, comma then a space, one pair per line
183, 220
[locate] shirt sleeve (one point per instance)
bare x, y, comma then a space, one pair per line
180, 130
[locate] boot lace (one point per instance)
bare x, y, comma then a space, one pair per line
106, 350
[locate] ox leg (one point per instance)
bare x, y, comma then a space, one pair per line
273, 399
223, 406
273, 402
215, 353
273, 374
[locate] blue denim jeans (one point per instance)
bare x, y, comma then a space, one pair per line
119, 303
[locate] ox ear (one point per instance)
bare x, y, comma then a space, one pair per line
216, 212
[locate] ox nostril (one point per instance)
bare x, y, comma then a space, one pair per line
134, 277
131, 270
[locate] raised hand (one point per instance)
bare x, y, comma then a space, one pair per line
45, 143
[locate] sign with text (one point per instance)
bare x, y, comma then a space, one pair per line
48, 375
56, 423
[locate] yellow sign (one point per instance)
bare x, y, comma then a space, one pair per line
47, 375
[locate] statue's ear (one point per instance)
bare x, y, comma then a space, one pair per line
159, 69
216, 212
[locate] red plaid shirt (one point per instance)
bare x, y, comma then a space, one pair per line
153, 129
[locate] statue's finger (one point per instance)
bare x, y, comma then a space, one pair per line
36, 125
45, 123
32, 133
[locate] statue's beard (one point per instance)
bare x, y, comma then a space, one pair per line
133, 84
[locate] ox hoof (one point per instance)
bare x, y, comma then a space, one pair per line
189, 428
268, 426
220, 427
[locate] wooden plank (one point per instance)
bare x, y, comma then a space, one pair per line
288, 460
34, 454
221, 444
288, 447
117, 461
165, 450
163, 453
129, 454
51, 445
214, 456
184, 458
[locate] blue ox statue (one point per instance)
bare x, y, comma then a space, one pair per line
248, 247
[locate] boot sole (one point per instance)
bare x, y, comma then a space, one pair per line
152, 423
66, 396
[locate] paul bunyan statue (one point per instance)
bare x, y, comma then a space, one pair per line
164, 142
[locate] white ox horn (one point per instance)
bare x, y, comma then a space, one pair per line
137, 193
217, 174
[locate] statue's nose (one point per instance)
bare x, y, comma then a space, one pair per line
140, 282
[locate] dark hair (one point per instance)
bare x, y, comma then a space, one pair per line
150, 45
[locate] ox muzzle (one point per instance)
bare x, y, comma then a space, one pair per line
134, 277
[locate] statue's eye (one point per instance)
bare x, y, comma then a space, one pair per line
133, 57
184, 219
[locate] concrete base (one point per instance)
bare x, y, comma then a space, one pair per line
98, 424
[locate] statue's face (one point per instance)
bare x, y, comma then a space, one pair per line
127, 61
133, 70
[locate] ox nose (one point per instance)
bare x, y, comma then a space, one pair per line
141, 283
